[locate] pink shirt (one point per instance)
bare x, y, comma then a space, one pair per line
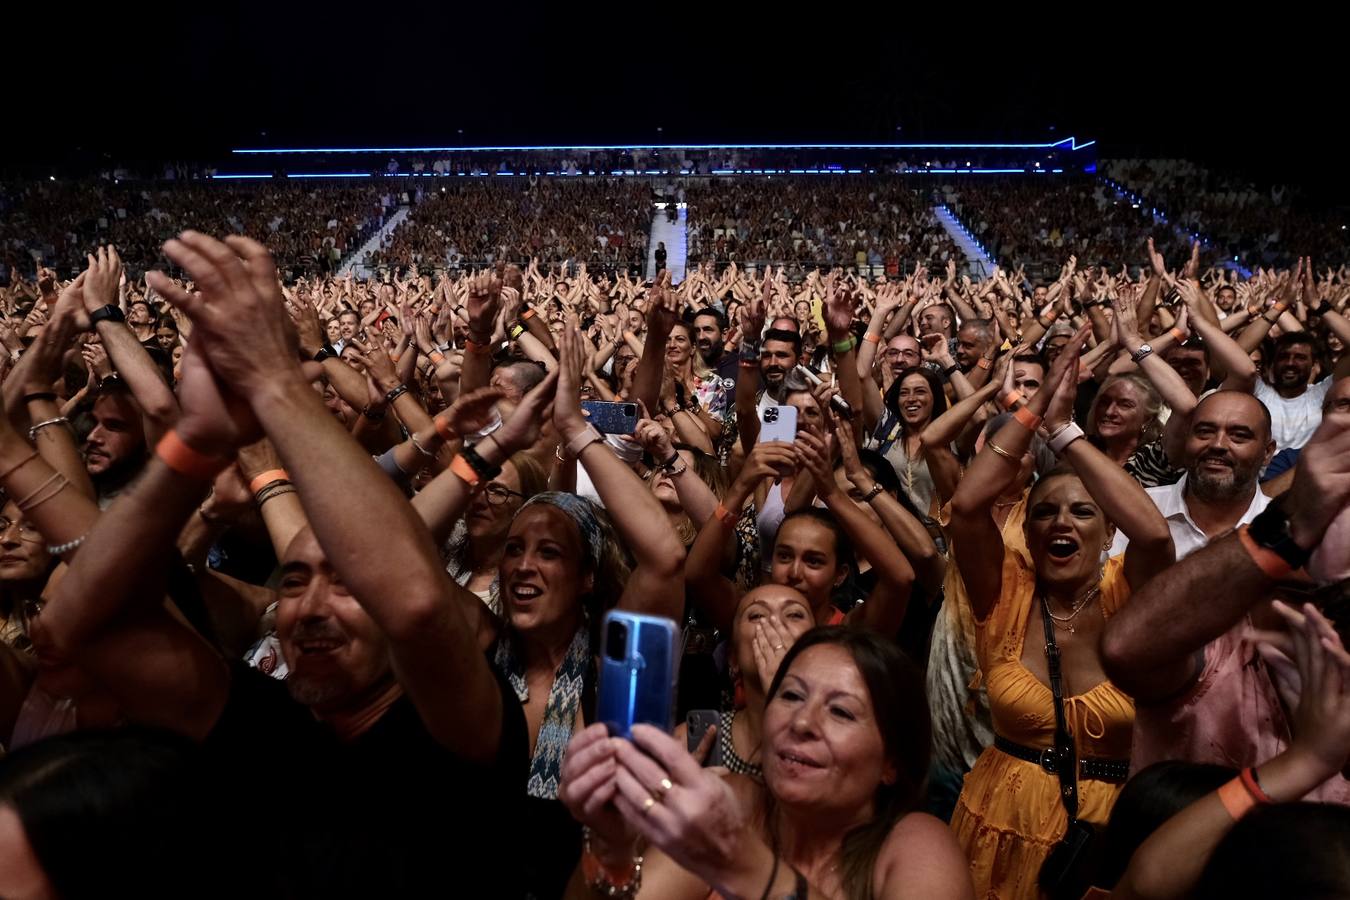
1231, 716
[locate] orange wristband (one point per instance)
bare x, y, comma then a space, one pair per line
872, 338
263, 479
1236, 798
1269, 562
437, 357
1027, 418
443, 428
184, 460
1248, 778
475, 347
1177, 333
985, 362
1008, 398
725, 516
460, 466
528, 314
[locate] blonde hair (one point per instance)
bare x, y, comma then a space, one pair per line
1152, 400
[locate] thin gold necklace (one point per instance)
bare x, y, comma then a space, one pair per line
1066, 622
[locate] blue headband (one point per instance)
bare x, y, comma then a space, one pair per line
579, 510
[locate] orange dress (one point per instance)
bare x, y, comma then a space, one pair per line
1009, 813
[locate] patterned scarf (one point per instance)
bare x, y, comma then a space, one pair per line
560, 713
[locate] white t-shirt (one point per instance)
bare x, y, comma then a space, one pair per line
1293, 420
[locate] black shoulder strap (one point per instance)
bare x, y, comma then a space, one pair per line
1066, 755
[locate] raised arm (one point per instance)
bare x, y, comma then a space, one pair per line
908, 532
1165, 378
482, 305
939, 434
709, 589
662, 310
747, 379
1226, 357
1208, 592
1121, 498
369, 534
697, 499
655, 585
888, 300
977, 543
885, 607
838, 320
127, 355
107, 613
1171, 861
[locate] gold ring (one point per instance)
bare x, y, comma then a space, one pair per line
648, 804
662, 789
778, 646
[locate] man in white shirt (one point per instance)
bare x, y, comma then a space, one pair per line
1295, 405
1227, 445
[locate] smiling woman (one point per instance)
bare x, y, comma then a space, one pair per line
913, 400
1062, 594
846, 747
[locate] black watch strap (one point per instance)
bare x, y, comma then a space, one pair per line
325, 352
109, 313
1270, 529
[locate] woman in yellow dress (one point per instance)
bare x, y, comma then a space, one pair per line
1010, 813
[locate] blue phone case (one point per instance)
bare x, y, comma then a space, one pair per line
611, 418
639, 667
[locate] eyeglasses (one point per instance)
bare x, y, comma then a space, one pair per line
26, 531
500, 495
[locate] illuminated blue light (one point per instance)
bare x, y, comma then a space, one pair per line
228, 177
330, 175
1070, 142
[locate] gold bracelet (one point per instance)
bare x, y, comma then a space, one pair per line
1001, 452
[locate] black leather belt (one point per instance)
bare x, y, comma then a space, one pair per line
1116, 771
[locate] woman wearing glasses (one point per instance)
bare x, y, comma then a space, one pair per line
475, 548
25, 566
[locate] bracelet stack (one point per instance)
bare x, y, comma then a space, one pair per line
268, 484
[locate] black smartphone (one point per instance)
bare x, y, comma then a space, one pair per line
698, 722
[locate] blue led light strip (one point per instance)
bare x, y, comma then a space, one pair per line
228, 177
1069, 143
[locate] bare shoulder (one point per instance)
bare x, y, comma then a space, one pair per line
921, 858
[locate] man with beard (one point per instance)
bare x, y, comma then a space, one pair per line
1295, 405
710, 328
1227, 446
378, 761
771, 357
114, 451
1193, 645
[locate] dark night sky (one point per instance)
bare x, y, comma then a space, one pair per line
1226, 89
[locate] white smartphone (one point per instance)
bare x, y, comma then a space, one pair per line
778, 423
